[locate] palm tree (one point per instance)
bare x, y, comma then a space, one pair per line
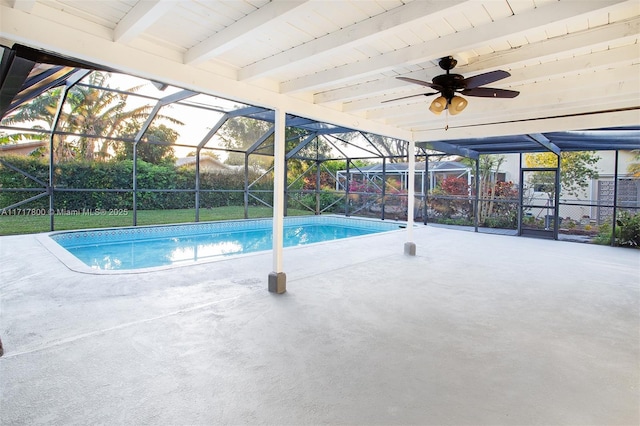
40, 112
89, 120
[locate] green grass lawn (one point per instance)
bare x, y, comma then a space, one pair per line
30, 224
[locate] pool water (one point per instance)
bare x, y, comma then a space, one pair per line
147, 247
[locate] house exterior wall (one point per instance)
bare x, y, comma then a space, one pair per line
598, 191
511, 168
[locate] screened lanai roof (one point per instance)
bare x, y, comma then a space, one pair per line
197, 118
623, 138
403, 167
27, 73
334, 63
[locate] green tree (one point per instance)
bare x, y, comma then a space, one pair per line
489, 168
243, 132
39, 115
240, 134
577, 169
155, 147
90, 119
395, 149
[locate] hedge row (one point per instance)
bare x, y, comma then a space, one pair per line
119, 176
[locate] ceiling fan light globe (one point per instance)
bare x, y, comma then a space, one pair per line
458, 103
438, 105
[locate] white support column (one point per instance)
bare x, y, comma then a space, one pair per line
410, 246
277, 278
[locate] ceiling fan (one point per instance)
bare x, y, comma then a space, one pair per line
449, 85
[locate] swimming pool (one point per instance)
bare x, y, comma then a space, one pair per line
136, 248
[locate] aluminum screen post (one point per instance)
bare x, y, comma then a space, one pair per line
346, 190
384, 185
277, 278
135, 183
285, 185
246, 185
615, 199
476, 216
556, 201
409, 245
318, 165
426, 181
197, 184
51, 186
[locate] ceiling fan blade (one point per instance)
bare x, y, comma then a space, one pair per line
410, 96
490, 92
486, 78
420, 82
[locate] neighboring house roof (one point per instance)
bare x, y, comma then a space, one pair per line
207, 163
399, 167
24, 148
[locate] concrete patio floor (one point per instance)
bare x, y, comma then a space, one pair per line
475, 329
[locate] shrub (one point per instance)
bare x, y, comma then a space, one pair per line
604, 235
629, 229
504, 221
307, 201
219, 189
451, 199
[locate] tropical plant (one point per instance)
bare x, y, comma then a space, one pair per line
451, 198
489, 167
455, 186
503, 206
494, 208
629, 229
328, 175
90, 121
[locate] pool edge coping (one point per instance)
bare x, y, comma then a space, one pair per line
74, 264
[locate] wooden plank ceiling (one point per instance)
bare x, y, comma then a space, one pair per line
574, 62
